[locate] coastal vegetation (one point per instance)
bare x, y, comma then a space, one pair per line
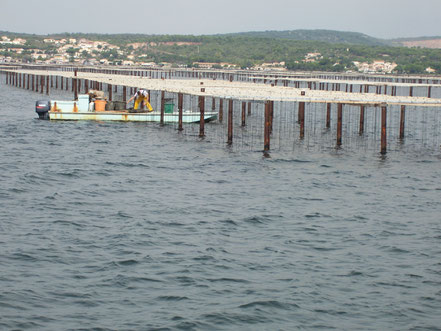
331, 50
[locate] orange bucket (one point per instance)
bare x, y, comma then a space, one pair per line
100, 105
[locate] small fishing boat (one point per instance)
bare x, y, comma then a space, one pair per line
81, 110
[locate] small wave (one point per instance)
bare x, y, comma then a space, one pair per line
70, 223
228, 222
354, 273
235, 318
126, 263
255, 220
24, 257
291, 161
325, 249
229, 280
270, 304
204, 258
315, 215
172, 298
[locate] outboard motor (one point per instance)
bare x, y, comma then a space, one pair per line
42, 108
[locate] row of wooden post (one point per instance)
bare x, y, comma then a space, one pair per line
240, 76
18, 80
311, 85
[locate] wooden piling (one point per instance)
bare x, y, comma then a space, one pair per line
161, 122
362, 116
402, 121
202, 118
180, 109
302, 119
124, 93
339, 123
109, 87
328, 115
271, 116
267, 126
249, 108
244, 105
47, 85
383, 130
221, 110
230, 122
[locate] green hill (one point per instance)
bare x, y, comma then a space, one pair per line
337, 50
328, 36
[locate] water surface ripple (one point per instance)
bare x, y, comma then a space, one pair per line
126, 226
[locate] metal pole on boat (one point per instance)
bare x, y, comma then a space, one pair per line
125, 93
74, 85
202, 117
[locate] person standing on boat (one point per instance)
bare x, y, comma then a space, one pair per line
141, 98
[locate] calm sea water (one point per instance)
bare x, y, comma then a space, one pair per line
124, 226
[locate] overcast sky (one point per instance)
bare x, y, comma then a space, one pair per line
377, 18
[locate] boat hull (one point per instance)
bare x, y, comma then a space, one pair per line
122, 116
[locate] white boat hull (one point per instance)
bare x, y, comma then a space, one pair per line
124, 116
